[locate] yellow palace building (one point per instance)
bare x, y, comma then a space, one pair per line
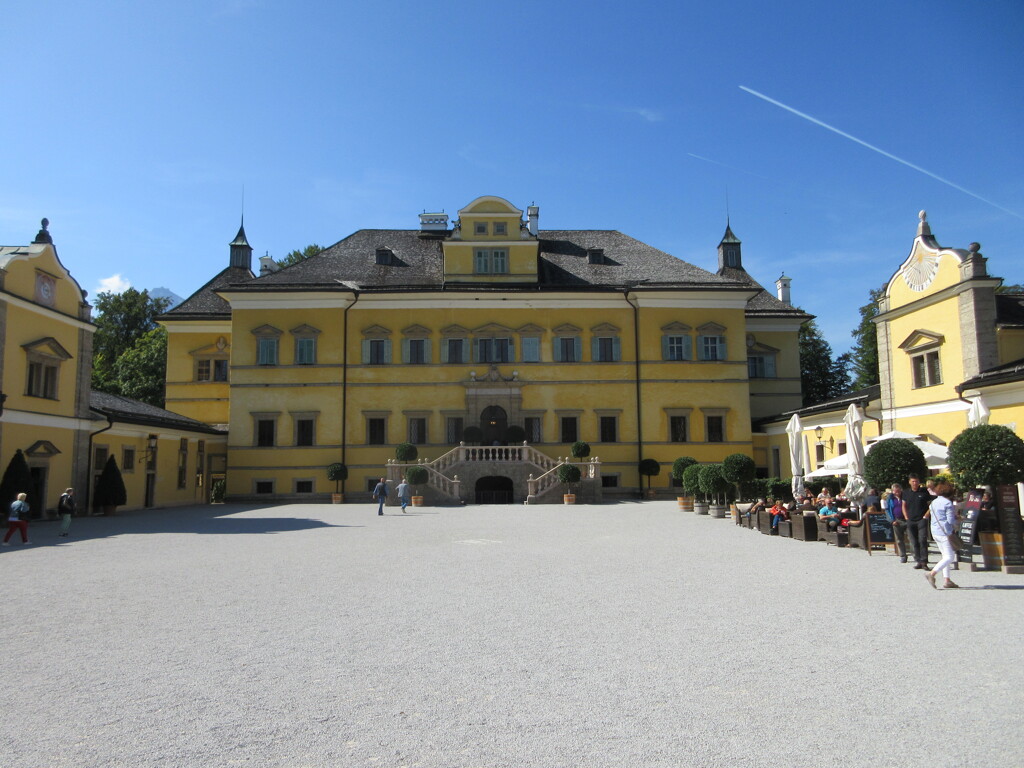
63, 429
490, 344
947, 340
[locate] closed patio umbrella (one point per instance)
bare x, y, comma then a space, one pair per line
978, 413
855, 485
796, 438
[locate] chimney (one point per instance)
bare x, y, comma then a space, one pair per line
782, 287
433, 222
532, 217
268, 266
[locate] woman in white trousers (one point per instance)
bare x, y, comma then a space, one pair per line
943, 522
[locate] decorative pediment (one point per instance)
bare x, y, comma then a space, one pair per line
676, 327
759, 347
376, 331
492, 328
709, 328
47, 346
490, 204
454, 330
922, 338
266, 330
42, 449
417, 330
567, 329
530, 328
604, 328
221, 347
305, 330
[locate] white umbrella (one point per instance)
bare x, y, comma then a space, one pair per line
934, 454
854, 420
978, 413
796, 433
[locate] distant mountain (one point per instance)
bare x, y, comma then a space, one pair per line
164, 293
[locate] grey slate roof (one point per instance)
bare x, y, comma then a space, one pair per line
125, 409
205, 303
763, 304
1010, 310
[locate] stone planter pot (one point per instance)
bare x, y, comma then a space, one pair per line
337, 498
569, 498
685, 503
717, 510
417, 501
700, 507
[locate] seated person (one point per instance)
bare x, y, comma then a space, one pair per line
778, 513
825, 495
829, 513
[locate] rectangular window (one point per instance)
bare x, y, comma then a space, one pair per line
927, 372
480, 228
761, 366
712, 347
264, 486
417, 351
677, 347
183, 463
265, 429
494, 350
570, 429
266, 351
220, 370
42, 380
305, 351
716, 429
500, 228
384, 257
605, 349
842, 447
530, 349
609, 481
490, 262
453, 351
677, 428
453, 428
128, 460
567, 349
378, 351
376, 431
203, 370
531, 425
304, 432
609, 426
303, 486
819, 454
418, 431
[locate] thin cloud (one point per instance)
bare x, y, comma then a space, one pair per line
644, 113
113, 284
730, 167
882, 152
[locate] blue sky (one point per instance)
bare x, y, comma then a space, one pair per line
135, 127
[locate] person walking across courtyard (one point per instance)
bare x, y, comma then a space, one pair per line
943, 523
894, 512
17, 520
66, 508
403, 494
915, 505
380, 495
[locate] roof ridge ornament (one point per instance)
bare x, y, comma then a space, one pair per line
923, 228
43, 236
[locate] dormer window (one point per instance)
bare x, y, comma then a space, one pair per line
595, 255
385, 257
500, 228
480, 228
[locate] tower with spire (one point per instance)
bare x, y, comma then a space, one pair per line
729, 256
241, 251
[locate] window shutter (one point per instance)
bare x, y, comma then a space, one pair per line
721, 349
366, 351
387, 351
664, 348
530, 349
444, 350
557, 349
595, 349
406, 352
577, 349
769, 366
688, 347
427, 357
616, 349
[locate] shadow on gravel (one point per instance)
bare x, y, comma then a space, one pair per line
996, 586
214, 519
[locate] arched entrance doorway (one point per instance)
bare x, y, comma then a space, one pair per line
494, 490
493, 423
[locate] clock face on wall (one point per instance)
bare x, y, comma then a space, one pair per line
46, 288
920, 272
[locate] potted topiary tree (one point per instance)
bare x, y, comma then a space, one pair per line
678, 467
406, 452
892, 461
649, 468
570, 475
17, 479
580, 450
989, 455
515, 435
472, 435
714, 484
416, 475
110, 491
691, 486
738, 469
337, 472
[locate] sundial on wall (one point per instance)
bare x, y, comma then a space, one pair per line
920, 272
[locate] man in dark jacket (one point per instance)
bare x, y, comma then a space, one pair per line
380, 495
916, 500
66, 508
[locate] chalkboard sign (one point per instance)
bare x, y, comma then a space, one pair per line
1010, 526
967, 527
879, 531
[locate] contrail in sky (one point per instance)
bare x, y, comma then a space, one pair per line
891, 156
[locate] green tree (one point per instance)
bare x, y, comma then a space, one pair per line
122, 319
893, 461
140, 372
17, 479
822, 376
649, 468
406, 452
294, 257
864, 355
110, 490
989, 454
738, 468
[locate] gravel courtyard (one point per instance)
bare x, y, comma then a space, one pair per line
625, 634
